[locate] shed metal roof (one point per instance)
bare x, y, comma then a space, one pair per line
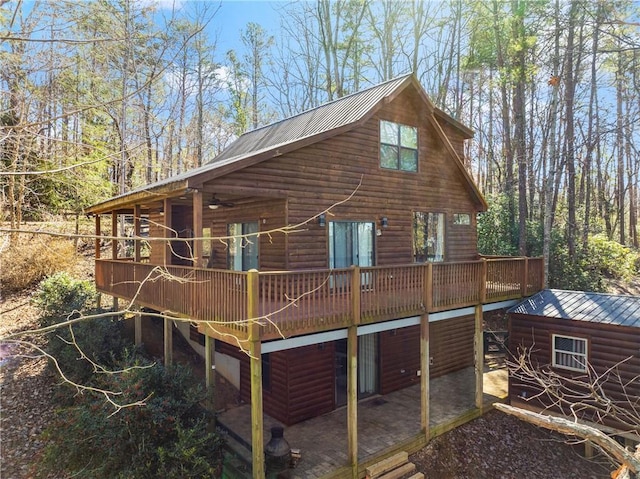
583, 306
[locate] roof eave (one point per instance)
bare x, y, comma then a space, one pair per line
467, 132
432, 115
131, 199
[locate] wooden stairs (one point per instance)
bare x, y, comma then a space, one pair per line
394, 467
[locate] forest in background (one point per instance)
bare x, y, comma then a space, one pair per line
100, 97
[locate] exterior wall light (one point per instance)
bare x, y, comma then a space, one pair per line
384, 222
322, 220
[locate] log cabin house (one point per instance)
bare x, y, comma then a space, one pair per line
586, 344
321, 259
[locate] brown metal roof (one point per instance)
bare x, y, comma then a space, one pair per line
583, 306
335, 114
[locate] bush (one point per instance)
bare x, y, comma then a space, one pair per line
602, 259
25, 264
167, 437
61, 297
612, 259
578, 275
495, 235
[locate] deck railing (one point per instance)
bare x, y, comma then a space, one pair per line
289, 303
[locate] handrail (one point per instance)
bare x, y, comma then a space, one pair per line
287, 303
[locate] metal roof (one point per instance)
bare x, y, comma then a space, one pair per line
583, 306
329, 116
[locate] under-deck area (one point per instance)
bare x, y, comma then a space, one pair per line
385, 423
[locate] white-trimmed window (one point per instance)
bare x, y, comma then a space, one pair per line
569, 353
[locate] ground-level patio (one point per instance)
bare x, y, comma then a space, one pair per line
384, 422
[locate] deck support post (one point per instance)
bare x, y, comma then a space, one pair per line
525, 277
97, 239
352, 372
210, 374
168, 233
136, 234
137, 328
478, 344
352, 398
255, 359
424, 374
168, 342
114, 235
483, 282
197, 229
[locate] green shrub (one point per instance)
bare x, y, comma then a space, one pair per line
612, 259
602, 259
495, 235
61, 297
166, 437
24, 264
578, 275
191, 454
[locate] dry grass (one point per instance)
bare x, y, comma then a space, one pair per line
33, 258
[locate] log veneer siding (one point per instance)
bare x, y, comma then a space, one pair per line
318, 176
303, 379
607, 346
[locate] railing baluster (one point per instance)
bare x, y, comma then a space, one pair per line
309, 301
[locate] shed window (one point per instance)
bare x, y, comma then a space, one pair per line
398, 146
570, 353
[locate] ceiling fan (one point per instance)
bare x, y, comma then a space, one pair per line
215, 203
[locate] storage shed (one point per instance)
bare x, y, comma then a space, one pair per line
578, 354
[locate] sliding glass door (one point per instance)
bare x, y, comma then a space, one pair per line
351, 243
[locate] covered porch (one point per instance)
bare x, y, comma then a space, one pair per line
386, 424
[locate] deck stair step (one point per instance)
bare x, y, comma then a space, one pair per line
399, 472
417, 475
393, 467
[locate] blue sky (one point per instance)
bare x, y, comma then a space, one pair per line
233, 16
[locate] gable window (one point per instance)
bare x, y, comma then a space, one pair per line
463, 219
398, 146
243, 246
428, 237
570, 353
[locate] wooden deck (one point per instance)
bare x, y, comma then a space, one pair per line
290, 303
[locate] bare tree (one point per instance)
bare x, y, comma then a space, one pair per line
586, 402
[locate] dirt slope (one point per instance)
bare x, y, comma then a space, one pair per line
497, 446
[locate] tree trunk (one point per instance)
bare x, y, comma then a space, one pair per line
629, 461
